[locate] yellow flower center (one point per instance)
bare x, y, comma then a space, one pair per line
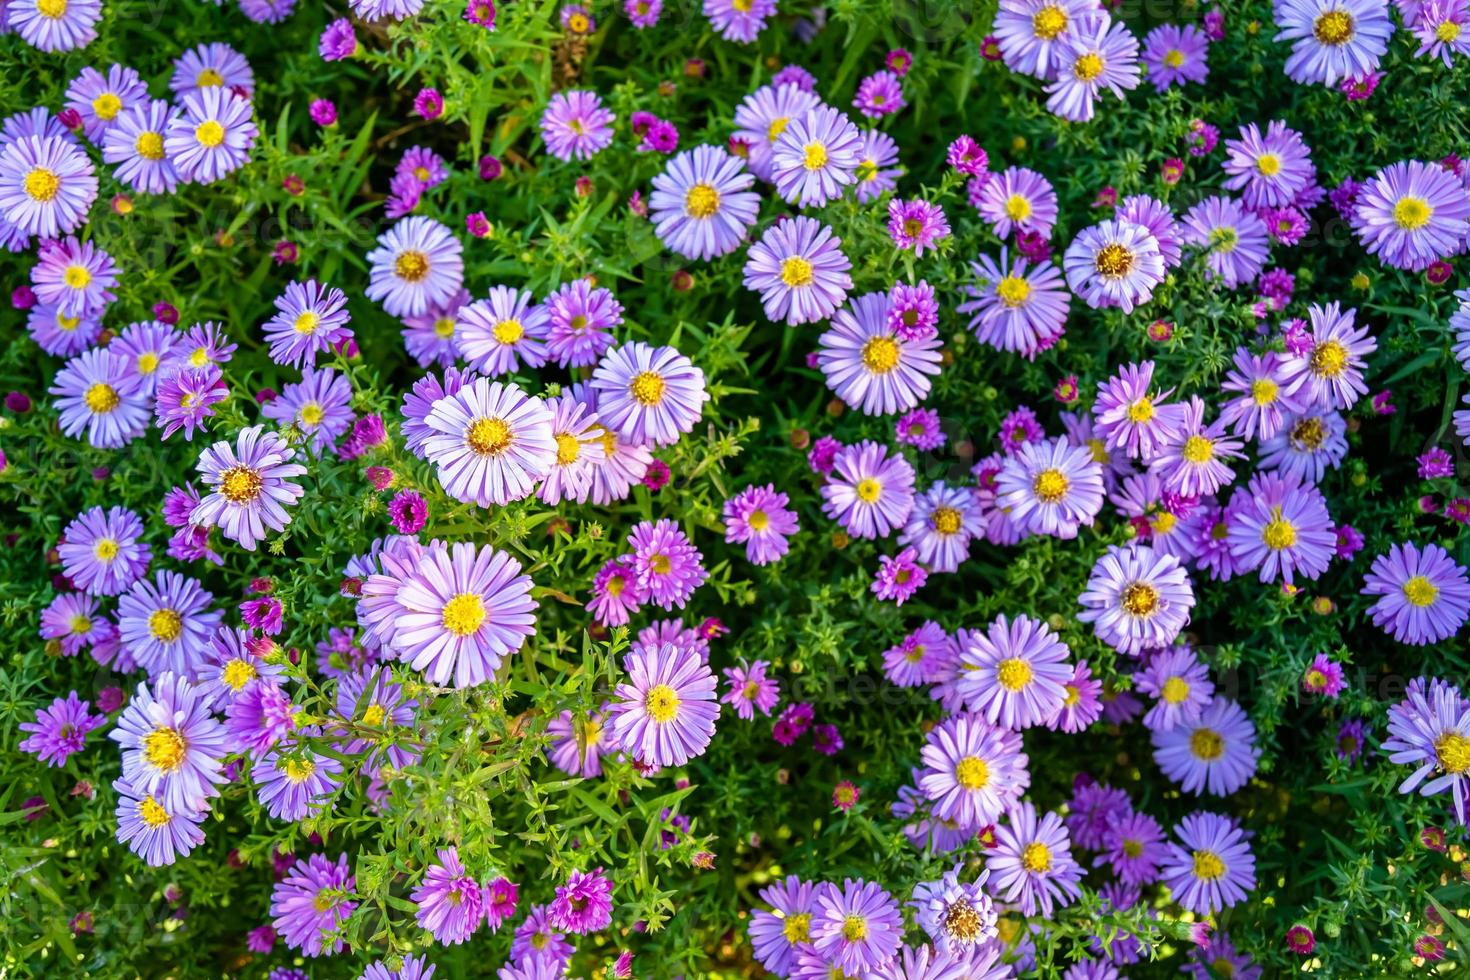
946, 520
1412, 213
1329, 359
444, 327
488, 437
1132, 848
1309, 433
373, 715
298, 770
1173, 57
101, 398
312, 414
411, 266
1197, 449
1013, 673
1013, 291
1088, 67
1175, 690
1036, 858
1163, 522
54, 9
796, 271
1224, 239
240, 484
1207, 865
164, 748
463, 614
1139, 599
758, 520
1447, 31
42, 184
150, 810
147, 362
777, 127
306, 322
209, 133
868, 490
1269, 164
1278, 533
814, 156
1206, 744
1453, 752
1264, 391
661, 564
647, 388
1420, 591
70, 323
1334, 27
701, 201
567, 449
166, 625
578, 23
509, 332
106, 106
880, 354
209, 78
238, 673
798, 928
1048, 22
662, 703
77, 276
972, 773
867, 170
854, 928
1113, 261
1050, 486
81, 625
1018, 208
105, 549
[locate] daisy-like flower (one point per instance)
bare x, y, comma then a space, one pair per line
799, 270
212, 136
1191, 461
856, 927
1050, 487
232, 663
74, 277
764, 115
491, 443
1323, 676
1411, 214
869, 492
1136, 598
134, 145
449, 900
98, 99
1328, 373
1214, 753
1031, 33
1281, 526
61, 335
319, 406
430, 337
292, 782
815, 157
103, 552
615, 592
1018, 199
579, 741
310, 319
869, 366
668, 566
499, 334
312, 903
1097, 55
879, 95
751, 690
1082, 703
1014, 673
576, 126
54, 25
1308, 445
72, 621
1032, 863
920, 429
1116, 263
537, 942
166, 624
251, 486
1217, 957
418, 264
875, 174
1269, 170
584, 904
1234, 241
643, 13
1332, 39
777, 934
187, 397
1423, 594
1443, 30
172, 747
664, 714
203, 345
1262, 404
1430, 730
581, 319
1133, 848
1130, 413
738, 20
1213, 869
60, 729
971, 771
758, 518
1016, 306
648, 395
159, 835
579, 451
1174, 55
462, 612
916, 224
701, 203
47, 185
209, 66
379, 9
1180, 686
941, 525
957, 917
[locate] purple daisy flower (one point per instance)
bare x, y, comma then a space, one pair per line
764, 115
1016, 305
319, 406
1214, 753
159, 835
1116, 263
1082, 703
379, 9
1430, 730
776, 935
941, 525
875, 174
74, 277
913, 311
856, 927
449, 900
1411, 214
583, 904
615, 592
1423, 594
815, 157
172, 747
214, 65
920, 429
758, 518
1031, 32
185, 398
1018, 199
1329, 372
312, 903
1323, 676
957, 917
232, 663
1180, 686
579, 451
537, 943
1014, 673
1235, 241
1050, 487
251, 486
103, 552
1032, 864
869, 366
1174, 55
260, 716
1307, 446
430, 337
1270, 170
212, 135
166, 624
668, 566
311, 318
581, 321
293, 783
146, 344
1264, 402
916, 224
490, 442
869, 493
47, 185
648, 395
643, 13
1332, 39
52, 26
1213, 869
751, 690
972, 771
499, 334
418, 264
61, 335
1281, 526
98, 99
204, 345
738, 20
1133, 846
1443, 30
338, 41
576, 126
664, 714
899, 577
1191, 461
1131, 415
60, 729
879, 95
701, 204
799, 270
579, 742
1097, 54
1136, 598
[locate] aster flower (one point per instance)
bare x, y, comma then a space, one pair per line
972, 771
875, 174
1234, 240
292, 782
47, 185
1281, 527
463, 611
1269, 170
60, 729
583, 904
430, 337
490, 442
1263, 403
53, 27
648, 395
1014, 673
147, 345
664, 713
878, 95
1423, 594
1443, 30
1116, 263
1018, 199
870, 493
1411, 214
1180, 686
1430, 730
764, 115
1309, 444
213, 65
751, 690
172, 747
913, 311
212, 135
1050, 487
580, 742
537, 942
916, 224
448, 900
499, 334
581, 319
74, 277
1332, 39
776, 935
668, 566
799, 270
1213, 869
203, 345
815, 157
1016, 306
134, 145
941, 525
251, 486
418, 264
1191, 461
579, 451
1031, 33
1131, 415
758, 518
1216, 956
1174, 55
701, 204
576, 126
1133, 847
166, 623
1136, 598
311, 904
1032, 864
957, 917
1323, 676
318, 406
1329, 373
1095, 55
615, 592
61, 335
158, 834
738, 20
102, 552
260, 716
920, 429
311, 318
869, 366
186, 397
856, 927
643, 13
1081, 703
1215, 753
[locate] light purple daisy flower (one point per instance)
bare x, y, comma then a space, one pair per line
581, 321
60, 335
1215, 753
72, 621
1269, 170
870, 493
172, 746
751, 690
1116, 263
1014, 673
916, 224
869, 366
664, 713
60, 729
584, 904
1018, 199
491, 443
878, 95
1332, 39
1174, 55
74, 277
1180, 686
311, 904
232, 663
1191, 461
431, 337
99, 99
251, 486
203, 345
292, 782
166, 624
1430, 730
701, 203
579, 741
799, 270
648, 395
379, 9
418, 264
319, 406
856, 927
54, 26
941, 526
957, 917
103, 552
1423, 594
576, 126
311, 318
1329, 372
920, 429
499, 334
1443, 30
815, 157
214, 65
876, 173
1130, 413
212, 136
1032, 32
1411, 214
185, 398
1136, 598
147, 345
47, 185
1309, 444
1032, 863
1051, 487
1213, 869
1235, 242
538, 945
1133, 846
1016, 306
1280, 526
1155, 215
159, 835
776, 935
758, 518
579, 451
1262, 405
764, 115
643, 13
449, 900
738, 20
668, 566
1095, 55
